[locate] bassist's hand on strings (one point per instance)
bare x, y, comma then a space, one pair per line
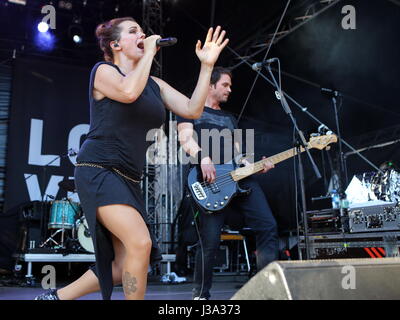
267, 165
208, 169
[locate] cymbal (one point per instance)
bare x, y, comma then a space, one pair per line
67, 185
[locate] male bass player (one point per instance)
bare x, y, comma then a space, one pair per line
254, 206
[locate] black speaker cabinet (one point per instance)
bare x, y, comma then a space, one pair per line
342, 279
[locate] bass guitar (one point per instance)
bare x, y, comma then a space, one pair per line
213, 197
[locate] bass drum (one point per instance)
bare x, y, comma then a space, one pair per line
84, 237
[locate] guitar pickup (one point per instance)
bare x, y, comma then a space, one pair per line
214, 188
198, 191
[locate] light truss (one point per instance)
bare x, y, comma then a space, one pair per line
296, 17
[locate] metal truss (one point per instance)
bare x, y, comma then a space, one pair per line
163, 186
152, 24
154, 184
376, 139
296, 17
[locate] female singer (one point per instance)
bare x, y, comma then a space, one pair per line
125, 103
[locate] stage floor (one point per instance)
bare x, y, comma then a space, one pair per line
224, 287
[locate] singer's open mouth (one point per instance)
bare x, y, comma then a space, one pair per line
140, 45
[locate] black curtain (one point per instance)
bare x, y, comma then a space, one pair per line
49, 114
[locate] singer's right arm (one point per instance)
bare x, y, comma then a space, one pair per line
111, 84
189, 144
186, 140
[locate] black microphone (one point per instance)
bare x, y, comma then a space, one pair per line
330, 92
258, 65
166, 42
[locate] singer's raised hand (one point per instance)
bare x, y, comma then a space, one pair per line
213, 46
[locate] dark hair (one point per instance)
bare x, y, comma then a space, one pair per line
218, 72
107, 32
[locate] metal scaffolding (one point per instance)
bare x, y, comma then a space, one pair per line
152, 24
296, 17
375, 139
163, 184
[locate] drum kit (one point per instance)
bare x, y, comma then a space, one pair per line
383, 185
386, 186
68, 224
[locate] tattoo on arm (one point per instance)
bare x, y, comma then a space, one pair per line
129, 283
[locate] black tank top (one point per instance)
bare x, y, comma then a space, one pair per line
117, 134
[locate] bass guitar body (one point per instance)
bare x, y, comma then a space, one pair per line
213, 197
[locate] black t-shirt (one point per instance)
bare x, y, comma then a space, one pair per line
214, 133
118, 131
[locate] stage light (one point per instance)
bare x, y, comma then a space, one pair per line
65, 5
77, 39
43, 27
75, 31
45, 41
21, 2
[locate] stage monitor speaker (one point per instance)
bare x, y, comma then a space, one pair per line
342, 279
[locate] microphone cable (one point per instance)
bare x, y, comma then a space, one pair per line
195, 215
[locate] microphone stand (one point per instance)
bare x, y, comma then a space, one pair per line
342, 172
304, 109
302, 142
45, 196
44, 199
316, 120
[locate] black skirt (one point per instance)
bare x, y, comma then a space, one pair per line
100, 187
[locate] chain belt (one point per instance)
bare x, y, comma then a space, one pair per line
85, 164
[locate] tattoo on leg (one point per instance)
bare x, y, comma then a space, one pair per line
129, 283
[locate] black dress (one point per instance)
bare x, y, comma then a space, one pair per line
116, 147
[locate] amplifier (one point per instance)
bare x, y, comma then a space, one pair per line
372, 218
326, 220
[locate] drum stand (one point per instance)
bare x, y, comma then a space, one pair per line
62, 230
